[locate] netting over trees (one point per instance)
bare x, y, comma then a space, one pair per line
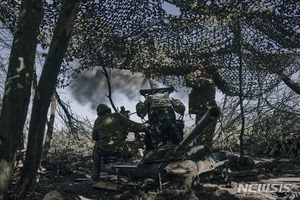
249, 46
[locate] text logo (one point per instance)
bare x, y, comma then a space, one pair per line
274, 187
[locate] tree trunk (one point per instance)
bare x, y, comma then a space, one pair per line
44, 91
50, 125
18, 87
239, 45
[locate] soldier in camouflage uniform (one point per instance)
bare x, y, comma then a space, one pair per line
201, 99
108, 134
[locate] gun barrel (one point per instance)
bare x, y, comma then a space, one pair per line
209, 117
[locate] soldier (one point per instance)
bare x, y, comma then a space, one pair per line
201, 99
108, 134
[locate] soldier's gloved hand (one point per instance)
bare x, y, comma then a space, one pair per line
199, 73
146, 127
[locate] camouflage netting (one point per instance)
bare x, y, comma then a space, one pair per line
249, 46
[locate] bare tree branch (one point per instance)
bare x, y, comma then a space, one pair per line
105, 73
290, 83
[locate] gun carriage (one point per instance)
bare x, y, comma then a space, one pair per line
168, 155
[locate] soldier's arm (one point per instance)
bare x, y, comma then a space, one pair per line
134, 126
196, 82
95, 135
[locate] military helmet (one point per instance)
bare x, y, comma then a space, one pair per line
102, 108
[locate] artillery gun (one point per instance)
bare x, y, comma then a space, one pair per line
164, 127
169, 158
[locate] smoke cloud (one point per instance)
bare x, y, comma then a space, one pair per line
91, 88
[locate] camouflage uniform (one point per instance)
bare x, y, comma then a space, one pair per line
108, 134
201, 99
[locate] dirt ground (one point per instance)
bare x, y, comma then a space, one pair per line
70, 178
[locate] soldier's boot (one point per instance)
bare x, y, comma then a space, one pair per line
96, 164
